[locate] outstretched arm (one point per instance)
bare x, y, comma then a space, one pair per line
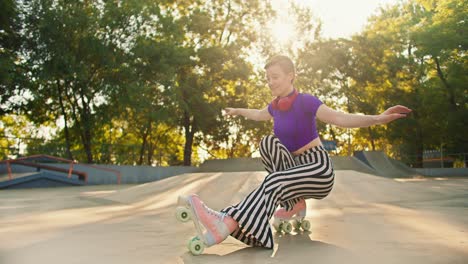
254, 114
331, 116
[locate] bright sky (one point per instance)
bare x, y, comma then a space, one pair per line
340, 18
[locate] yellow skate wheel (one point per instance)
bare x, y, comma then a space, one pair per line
196, 246
305, 224
182, 214
286, 227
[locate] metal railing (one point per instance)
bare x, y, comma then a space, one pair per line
437, 159
82, 175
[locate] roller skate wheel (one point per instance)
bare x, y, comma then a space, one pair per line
277, 228
277, 225
296, 225
196, 246
182, 214
286, 227
305, 225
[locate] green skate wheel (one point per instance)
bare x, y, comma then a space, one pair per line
196, 246
305, 225
296, 225
182, 214
287, 227
189, 242
277, 225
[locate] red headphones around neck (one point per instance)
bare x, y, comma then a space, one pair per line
284, 103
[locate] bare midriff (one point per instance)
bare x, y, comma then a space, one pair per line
313, 143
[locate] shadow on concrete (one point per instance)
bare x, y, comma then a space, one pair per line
293, 248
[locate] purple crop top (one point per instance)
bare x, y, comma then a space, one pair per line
297, 126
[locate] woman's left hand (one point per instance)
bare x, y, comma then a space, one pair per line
393, 113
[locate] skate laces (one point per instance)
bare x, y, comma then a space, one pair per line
219, 215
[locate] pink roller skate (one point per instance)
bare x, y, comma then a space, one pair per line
282, 218
212, 227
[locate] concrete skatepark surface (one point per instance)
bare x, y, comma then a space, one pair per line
366, 219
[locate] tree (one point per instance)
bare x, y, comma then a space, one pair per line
441, 38
218, 33
77, 53
10, 70
399, 61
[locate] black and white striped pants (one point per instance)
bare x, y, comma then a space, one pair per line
309, 175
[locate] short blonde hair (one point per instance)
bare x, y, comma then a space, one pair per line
285, 63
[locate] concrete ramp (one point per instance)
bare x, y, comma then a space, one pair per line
255, 164
351, 163
384, 165
5, 177
39, 180
232, 164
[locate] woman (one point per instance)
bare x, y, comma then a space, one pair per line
299, 167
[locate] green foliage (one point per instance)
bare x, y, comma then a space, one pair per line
10, 71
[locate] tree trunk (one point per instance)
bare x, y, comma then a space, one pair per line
189, 133
419, 129
451, 95
145, 142
87, 143
142, 151
418, 141
65, 117
372, 140
67, 137
149, 158
82, 124
87, 134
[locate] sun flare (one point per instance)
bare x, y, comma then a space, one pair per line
282, 31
